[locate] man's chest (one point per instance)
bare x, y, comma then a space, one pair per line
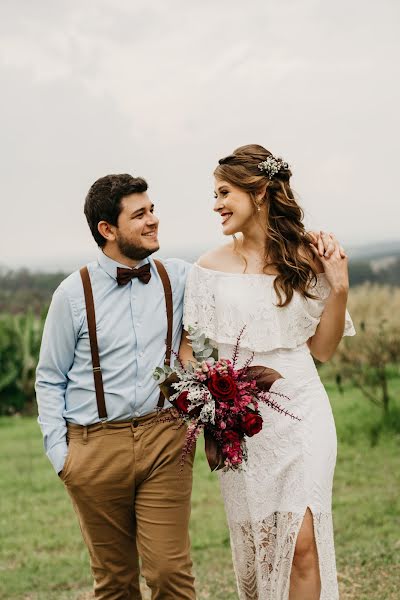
125, 319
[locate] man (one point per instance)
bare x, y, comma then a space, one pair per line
122, 471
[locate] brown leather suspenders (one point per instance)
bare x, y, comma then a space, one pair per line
91, 319
162, 271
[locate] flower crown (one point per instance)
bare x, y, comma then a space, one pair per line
272, 166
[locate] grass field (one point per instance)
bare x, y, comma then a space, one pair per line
42, 556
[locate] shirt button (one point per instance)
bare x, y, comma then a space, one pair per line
136, 414
141, 354
139, 385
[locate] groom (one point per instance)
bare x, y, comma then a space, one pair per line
116, 455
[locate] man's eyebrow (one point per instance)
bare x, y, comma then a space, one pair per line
139, 210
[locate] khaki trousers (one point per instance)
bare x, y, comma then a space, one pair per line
131, 496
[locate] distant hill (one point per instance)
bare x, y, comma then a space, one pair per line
374, 251
377, 262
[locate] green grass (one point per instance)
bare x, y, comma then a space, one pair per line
42, 556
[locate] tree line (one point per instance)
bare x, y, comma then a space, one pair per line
368, 361
22, 290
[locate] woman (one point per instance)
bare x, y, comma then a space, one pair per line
292, 303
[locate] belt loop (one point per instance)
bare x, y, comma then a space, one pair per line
104, 423
85, 435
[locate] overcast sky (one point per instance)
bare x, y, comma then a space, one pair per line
163, 89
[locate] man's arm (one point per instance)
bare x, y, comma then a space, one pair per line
56, 357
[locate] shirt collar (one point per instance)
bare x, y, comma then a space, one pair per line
110, 265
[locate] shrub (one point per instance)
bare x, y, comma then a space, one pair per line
20, 337
371, 358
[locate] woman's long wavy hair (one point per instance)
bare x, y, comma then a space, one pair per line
286, 241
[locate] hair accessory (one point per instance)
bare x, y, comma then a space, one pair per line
272, 166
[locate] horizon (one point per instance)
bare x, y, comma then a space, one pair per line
358, 252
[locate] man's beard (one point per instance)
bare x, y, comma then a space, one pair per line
134, 252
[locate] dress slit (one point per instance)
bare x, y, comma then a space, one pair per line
263, 554
293, 549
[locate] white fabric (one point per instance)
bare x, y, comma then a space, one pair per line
290, 463
222, 303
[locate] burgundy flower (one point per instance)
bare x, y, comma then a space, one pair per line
231, 436
182, 402
222, 386
251, 423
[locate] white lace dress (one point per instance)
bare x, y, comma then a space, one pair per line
290, 463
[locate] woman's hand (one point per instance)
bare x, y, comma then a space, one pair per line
334, 261
325, 243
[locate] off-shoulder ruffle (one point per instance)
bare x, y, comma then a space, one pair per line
221, 304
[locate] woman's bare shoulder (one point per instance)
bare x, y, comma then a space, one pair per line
217, 259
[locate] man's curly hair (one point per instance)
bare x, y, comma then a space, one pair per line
103, 201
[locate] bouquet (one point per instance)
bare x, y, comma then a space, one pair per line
212, 395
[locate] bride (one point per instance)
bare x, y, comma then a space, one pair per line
291, 298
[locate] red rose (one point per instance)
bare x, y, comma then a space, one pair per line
251, 423
182, 402
231, 436
222, 386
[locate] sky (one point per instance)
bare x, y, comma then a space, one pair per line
162, 90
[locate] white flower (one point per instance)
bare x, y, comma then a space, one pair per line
207, 414
271, 166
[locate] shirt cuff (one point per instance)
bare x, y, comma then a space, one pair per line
57, 456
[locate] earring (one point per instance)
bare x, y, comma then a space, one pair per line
258, 208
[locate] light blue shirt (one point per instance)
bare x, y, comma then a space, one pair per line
131, 326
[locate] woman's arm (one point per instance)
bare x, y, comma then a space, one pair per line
329, 332
185, 350
331, 326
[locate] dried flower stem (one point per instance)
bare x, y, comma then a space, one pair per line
266, 398
235, 354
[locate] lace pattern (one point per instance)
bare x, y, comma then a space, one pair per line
218, 302
323, 530
263, 555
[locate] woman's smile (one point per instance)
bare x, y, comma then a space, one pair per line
225, 217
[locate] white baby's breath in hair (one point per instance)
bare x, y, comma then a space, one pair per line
272, 166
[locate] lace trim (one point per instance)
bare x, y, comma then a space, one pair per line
263, 555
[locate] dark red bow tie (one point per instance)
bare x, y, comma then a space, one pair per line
124, 276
